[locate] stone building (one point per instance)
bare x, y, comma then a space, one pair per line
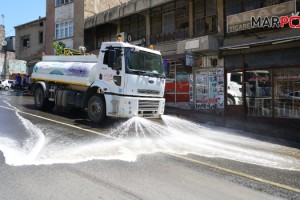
30, 42
65, 20
5, 56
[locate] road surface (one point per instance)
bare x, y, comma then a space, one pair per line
62, 155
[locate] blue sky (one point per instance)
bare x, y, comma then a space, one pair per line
17, 12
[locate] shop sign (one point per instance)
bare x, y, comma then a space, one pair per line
271, 16
189, 60
194, 44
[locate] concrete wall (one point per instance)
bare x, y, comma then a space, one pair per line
31, 30
50, 27
78, 38
2, 35
9, 56
64, 13
93, 7
119, 11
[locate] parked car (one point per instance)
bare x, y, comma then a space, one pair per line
1, 86
6, 84
295, 95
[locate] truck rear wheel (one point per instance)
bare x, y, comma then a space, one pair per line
39, 100
96, 108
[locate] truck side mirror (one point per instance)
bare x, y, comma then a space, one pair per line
111, 58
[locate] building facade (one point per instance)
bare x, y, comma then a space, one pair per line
2, 35
30, 42
65, 20
7, 54
214, 60
187, 32
262, 63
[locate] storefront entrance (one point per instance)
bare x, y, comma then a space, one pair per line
234, 93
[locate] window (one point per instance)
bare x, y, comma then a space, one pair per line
168, 25
62, 2
135, 26
41, 37
234, 7
142, 62
205, 12
286, 93
64, 29
258, 92
170, 21
25, 41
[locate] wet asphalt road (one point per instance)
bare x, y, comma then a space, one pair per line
61, 155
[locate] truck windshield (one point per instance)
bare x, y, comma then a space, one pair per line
143, 63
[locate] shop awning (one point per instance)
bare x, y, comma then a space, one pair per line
261, 42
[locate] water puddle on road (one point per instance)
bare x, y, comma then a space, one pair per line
139, 136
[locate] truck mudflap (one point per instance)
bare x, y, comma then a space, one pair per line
127, 107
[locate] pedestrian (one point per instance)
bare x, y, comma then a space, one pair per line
25, 81
18, 81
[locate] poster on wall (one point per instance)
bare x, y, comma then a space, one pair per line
209, 91
213, 89
202, 90
220, 79
191, 89
189, 60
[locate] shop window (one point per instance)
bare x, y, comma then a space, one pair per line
258, 93
177, 82
286, 93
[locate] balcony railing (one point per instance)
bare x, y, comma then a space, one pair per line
205, 25
175, 35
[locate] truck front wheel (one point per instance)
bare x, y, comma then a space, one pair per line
96, 108
39, 100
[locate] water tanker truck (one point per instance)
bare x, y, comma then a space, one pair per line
122, 81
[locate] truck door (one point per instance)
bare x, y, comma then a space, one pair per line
112, 69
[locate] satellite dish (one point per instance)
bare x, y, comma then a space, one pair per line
4, 43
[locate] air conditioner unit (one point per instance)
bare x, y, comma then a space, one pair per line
123, 35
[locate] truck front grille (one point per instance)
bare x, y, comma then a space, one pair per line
148, 108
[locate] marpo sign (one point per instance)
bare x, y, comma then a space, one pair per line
242, 21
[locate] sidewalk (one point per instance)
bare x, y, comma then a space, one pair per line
286, 130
